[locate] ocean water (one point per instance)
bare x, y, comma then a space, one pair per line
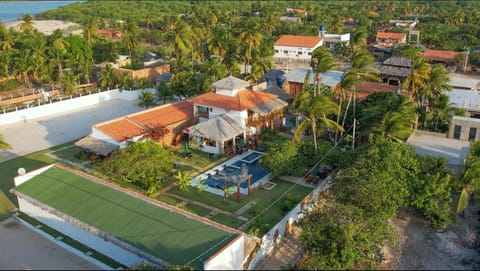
14, 10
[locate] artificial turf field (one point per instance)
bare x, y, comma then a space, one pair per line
168, 235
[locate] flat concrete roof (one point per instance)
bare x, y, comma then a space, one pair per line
453, 150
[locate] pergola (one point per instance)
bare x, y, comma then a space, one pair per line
237, 178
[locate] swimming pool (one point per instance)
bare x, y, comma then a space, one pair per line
213, 180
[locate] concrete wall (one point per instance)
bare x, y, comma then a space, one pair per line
293, 52
67, 105
465, 124
229, 258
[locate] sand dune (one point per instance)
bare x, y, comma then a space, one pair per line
47, 27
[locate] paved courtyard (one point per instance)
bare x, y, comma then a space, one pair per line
41, 133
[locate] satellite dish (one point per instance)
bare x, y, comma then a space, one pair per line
21, 171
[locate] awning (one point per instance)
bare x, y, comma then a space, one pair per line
269, 106
96, 145
220, 128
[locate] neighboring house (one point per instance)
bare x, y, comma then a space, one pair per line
395, 69
464, 128
405, 24
292, 47
387, 39
465, 99
151, 59
379, 52
362, 90
296, 78
231, 113
462, 81
130, 128
291, 19
447, 58
109, 33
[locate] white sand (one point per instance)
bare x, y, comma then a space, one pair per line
47, 27
23, 249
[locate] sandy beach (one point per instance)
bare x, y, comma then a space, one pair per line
47, 27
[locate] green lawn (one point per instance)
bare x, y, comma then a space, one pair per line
264, 198
196, 209
160, 232
228, 220
199, 158
6, 207
168, 200
69, 153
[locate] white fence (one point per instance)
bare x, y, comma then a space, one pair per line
68, 104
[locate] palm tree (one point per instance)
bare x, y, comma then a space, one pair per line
217, 43
183, 180
130, 37
108, 77
69, 83
181, 38
435, 85
146, 99
164, 92
58, 47
123, 80
398, 125
7, 42
251, 37
27, 24
24, 66
360, 71
89, 31
3, 144
315, 109
321, 61
417, 79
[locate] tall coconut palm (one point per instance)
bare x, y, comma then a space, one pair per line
251, 38
435, 85
181, 38
27, 24
7, 42
164, 92
321, 61
471, 176
123, 80
69, 83
24, 66
217, 43
316, 110
417, 78
130, 37
398, 125
90, 31
146, 99
58, 49
108, 77
360, 70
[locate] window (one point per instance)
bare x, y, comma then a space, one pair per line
472, 134
309, 54
276, 51
457, 131
209, 142
202, 109
285, 51
300, 53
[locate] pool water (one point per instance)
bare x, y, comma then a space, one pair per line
254, 168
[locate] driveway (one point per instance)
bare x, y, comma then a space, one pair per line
38, 134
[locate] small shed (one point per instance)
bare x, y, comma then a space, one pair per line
97, 146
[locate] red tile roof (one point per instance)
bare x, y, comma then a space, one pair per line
298, 41
129, 126
392, 36
439, 55
244, 100
366, 88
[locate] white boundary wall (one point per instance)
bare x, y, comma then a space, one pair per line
69, 104
268, 243
229, 258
